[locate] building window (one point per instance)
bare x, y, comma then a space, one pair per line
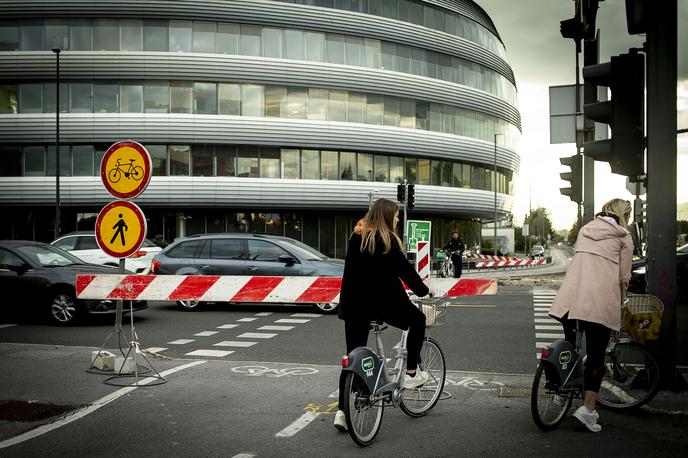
315, 46
32, 35
347, 165
337, 105
291, 163
8, 98
317, 104
296, 103
269, 162
105, 98
228, 38
80, 98
273, 42
226, 160
381, 168
334, 47
105, 35
34, 161
423, 171
82, 160
204, 37
205, 98
159, 158
275, 102
229, 99
310, 164
411, 169
250, 40
295, 44
65, 161
329, 165
156, 97
447, 170
179, 160
466, 172
9, 36
10, 161
436, 173
356, 105
247, 162
458, 176
56, 33
131, 97
375, 108
391, 117
202, 165
155, 35
396, 169
31, 98
365, 167
180, 36
252, 100
131, 38
181, 97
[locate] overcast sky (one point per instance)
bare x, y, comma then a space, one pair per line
540, 58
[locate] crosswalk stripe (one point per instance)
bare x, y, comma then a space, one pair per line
544, 327
234, 343
546, 320
541, 314
548, 335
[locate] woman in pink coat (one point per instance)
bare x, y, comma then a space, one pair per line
593, 292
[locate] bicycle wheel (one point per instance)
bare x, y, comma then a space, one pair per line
632, 377
418, 401
137, 173
546, 404
363, 417
114, 175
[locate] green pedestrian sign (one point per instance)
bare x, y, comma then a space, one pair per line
417, 231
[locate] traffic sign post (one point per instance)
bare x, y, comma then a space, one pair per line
125, 171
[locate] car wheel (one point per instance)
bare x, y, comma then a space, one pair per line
64, 310
189, 306
326, 308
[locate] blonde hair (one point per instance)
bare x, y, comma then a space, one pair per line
380, 220
360, 225
621, 208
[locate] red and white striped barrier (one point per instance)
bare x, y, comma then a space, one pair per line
423, 260
217, 288
492, 257
512, 263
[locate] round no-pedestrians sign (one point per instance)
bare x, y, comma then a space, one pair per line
120, 229
126, 169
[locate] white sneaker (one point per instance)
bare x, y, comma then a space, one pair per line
588, 419
340, 421
419, 379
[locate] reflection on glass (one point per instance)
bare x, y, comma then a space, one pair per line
228, 38
82, 160
30, 98
80, 99
131, 37
32, 34
56, 33
347, 166
291, 161
105, 35
381, 168
423, 171
411, 169
34, 161
225, 157
155, 35
295, 41
317, 104
9, 36
365, 167
156, 97
296, 103
310, 164
250, 40
315, 46
159, 158
205, 98
105, 96
436, 173
65, 161
181, 97
179, 160
229, 95
252, 100
329, 165
180, 36
131, 97
275, 102
269, 162
204, 36
396, 169
273, 42
247, 162
202, 160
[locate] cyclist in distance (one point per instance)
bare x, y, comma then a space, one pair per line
593, 292
455, 248
372, 290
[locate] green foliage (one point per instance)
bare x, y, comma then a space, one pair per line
573, 234
540, 225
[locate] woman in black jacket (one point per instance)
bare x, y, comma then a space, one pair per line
372, 290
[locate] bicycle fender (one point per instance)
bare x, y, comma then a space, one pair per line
560, 360
368, 365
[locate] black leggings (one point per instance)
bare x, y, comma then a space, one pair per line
596, 341
356, 333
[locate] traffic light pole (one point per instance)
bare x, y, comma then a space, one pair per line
591, 52
405, 225
661, 176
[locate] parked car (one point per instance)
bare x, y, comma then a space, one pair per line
42, 278
638, 283
83, 245
245, 254
537, 251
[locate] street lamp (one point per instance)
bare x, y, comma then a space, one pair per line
57, 52
494, 182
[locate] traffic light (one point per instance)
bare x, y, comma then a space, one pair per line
575, 177
400, 192
582, 25
624, 75
411, 196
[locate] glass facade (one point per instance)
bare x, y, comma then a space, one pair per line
249, 40
260, 101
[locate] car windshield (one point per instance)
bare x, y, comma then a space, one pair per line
49, 256
304, 251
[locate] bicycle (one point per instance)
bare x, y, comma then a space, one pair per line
134, 171
446, 267
632, 373
370, 385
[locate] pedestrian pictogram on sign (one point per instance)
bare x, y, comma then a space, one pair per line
126, 169
120, 229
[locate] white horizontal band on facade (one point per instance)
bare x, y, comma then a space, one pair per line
252, 193
469, 9
109, 65
267, 13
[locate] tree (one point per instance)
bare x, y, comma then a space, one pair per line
573, 233
540, 225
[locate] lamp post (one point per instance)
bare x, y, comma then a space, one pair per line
494, 182
57, 141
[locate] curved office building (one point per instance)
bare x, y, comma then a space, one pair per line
268, 116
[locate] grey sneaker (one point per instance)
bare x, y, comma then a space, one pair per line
588, 419
340, 421
419, 379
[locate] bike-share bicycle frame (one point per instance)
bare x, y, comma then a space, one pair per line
372, 368
562, 362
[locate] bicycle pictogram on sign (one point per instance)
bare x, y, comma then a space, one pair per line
131, 171
126, 169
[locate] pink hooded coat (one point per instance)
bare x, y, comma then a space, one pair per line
597, 279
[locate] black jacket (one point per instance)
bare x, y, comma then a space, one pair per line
371, 285
455, 245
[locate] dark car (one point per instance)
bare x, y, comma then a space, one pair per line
245, 254
638, 283
37, 277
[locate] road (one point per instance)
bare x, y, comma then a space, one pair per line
261, 381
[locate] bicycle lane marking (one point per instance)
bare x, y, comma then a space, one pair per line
97, 404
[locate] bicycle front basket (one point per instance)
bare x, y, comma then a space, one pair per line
434, 310
642, 317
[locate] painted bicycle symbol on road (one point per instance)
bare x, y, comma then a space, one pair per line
132, 171
473, 383
259, 371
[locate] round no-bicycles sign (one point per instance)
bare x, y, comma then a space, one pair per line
126, 169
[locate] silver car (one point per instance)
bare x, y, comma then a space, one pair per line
245, 254
537, 251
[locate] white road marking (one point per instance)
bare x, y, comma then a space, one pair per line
547, 335
548, 327
206, 333
155, 349
303, 421
97, 404
234, 343
227, 326
244, 455
211, 353
247, 320
306, 315
181, 341
546, 320
334, 394
257, 335
294, 321
541, 314
541, 345
264, 314
276, 328
7, 325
